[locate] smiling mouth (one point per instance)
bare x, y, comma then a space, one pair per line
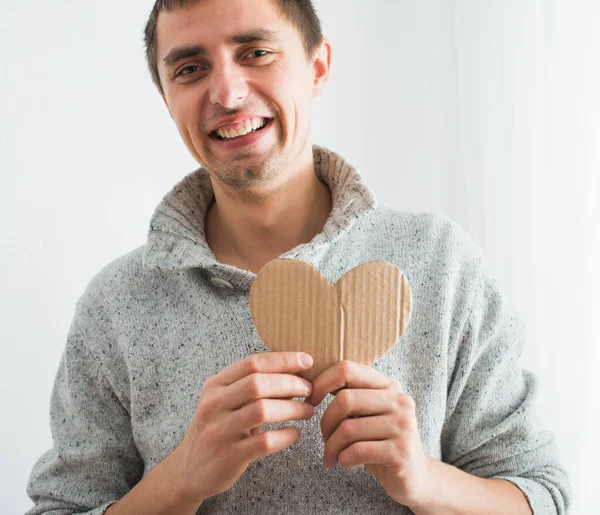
235, 135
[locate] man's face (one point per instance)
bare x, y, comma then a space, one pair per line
248, 80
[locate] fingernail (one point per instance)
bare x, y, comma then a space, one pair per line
308, 389
305, 359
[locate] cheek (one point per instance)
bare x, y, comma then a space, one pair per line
182, 127
302, 94
290, 84
188, 130
183, 106
185, 120
295, 98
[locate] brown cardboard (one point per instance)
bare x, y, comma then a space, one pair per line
360, 318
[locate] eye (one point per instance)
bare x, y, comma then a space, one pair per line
188, 70
265, 52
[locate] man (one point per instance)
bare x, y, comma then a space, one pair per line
165, 393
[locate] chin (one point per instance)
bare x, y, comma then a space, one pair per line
243, 177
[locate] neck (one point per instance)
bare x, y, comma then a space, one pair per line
248, 229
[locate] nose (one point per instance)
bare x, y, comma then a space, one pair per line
228, 85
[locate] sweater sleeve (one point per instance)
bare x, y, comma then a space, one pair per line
94, 461
491, 429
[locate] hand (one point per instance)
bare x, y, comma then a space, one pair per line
372, 422
224, 435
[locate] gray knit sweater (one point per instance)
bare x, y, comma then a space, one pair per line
153, 325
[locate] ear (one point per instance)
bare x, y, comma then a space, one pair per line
321, 66
166, 103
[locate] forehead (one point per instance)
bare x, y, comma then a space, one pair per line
211, 23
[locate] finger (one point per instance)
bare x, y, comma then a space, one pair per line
354, 430
260, 386
346, 373
263, 363
269, 442
355, 402
266, 411
364, 453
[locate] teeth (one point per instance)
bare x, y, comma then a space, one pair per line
247, 127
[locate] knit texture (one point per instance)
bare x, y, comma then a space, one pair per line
153, 325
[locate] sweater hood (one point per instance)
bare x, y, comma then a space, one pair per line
177, 241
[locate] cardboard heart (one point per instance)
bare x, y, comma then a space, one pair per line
360, 318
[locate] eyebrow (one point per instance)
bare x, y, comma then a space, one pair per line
250, 36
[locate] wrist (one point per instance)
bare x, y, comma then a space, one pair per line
451, 490
183, 492
162, 491
428, 503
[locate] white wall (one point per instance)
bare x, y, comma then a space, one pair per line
485, 111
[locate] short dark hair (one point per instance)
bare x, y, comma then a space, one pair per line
299, 13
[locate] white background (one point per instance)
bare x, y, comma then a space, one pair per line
486, 111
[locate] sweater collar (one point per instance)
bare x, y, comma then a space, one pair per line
176, 238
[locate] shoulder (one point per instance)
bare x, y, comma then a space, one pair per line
427, 236
118, 278
121, 268
431, 225
439, 258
